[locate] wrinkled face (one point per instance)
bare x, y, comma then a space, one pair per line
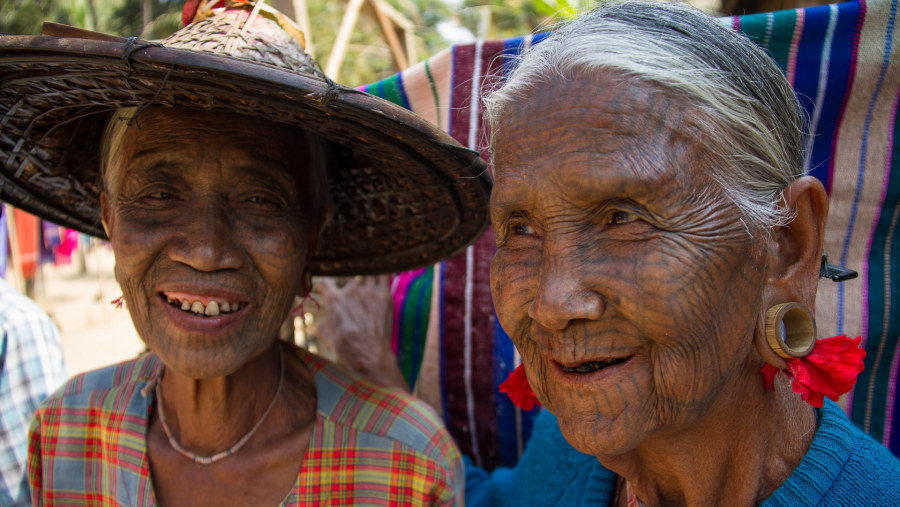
627, 282
211, 219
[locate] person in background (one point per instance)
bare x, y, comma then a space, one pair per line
31, 367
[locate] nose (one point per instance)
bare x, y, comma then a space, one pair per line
206, 241
563, 295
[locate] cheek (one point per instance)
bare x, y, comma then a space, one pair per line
676, 286
513, 285
699, 334
132, 277
279, 251
134, 248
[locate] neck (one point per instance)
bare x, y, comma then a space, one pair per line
210, 415
739, 453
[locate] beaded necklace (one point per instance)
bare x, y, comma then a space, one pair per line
208, 460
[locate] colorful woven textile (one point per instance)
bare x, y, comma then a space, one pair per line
844, 63
369, 446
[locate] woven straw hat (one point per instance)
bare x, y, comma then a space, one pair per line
405, 193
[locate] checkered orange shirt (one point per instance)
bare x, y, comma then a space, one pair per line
370, 446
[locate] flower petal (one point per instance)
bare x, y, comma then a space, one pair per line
518, 389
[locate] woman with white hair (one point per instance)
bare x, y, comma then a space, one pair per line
659, 246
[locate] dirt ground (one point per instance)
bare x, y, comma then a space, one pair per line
94, 332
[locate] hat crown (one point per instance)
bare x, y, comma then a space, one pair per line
258, 37
405, 193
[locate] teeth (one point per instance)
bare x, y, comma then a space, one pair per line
212, 309
592, 366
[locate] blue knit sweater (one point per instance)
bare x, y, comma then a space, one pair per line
843, 467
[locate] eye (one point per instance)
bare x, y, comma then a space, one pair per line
160, 194
523, 230
621, 217
256, 199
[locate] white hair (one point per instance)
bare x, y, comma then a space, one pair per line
754, 120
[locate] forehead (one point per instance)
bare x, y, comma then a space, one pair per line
161, 138
627, 136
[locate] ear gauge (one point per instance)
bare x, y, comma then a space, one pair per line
790, 330
815, 368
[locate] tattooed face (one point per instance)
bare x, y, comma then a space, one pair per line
211, 220
626, 280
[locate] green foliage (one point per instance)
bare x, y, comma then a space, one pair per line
562, 9
26, 16
498, 19
117, 17
126, 18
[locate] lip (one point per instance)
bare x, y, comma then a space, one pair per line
602, 378
199, 323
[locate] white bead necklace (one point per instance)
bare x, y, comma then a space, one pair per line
208, 460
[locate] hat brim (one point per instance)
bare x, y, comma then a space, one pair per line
406, 194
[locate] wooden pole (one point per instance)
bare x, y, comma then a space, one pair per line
404, 25
146, 14
336, 58
390, 35
410, 37
301, 16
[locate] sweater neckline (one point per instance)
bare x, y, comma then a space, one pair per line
829, 452
808, 484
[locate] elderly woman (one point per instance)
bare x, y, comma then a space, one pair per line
223, 155
658, 251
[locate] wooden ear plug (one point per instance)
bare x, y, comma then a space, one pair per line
790, 330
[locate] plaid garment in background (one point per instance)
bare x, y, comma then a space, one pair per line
370, 446
31, 367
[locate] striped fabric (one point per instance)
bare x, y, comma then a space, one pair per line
369, 446
844, 63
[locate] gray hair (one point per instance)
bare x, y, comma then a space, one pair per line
753, 117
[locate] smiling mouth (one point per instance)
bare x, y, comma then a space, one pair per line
592, 366
211, 308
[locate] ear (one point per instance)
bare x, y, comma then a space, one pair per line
795, 250
105, 213
315, 232
794, 257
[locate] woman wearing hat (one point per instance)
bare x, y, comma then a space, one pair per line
224, 169
659, 247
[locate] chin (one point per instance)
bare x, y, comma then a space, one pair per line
201, 363
600, 435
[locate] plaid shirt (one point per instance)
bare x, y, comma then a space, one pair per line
31, 367
370, 446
